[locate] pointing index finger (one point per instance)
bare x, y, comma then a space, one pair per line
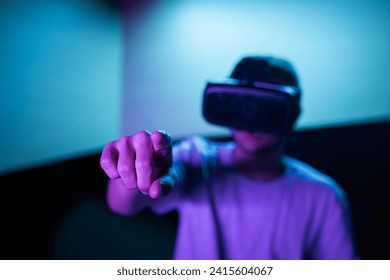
162, 146
161, 141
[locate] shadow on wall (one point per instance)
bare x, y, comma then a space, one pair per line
59, 211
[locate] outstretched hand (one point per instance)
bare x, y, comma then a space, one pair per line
140, 161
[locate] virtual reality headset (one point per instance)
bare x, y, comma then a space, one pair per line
251, 106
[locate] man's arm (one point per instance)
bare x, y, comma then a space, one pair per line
335, 237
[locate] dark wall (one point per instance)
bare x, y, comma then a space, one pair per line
59, 211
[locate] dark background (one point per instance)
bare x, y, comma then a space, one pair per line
58, 211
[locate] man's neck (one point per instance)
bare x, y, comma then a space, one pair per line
259, 166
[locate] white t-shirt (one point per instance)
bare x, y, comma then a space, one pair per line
301, 215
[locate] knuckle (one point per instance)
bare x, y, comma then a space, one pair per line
105, 163
158, 137
161, 137
144, 165
142, 136
122, 142
123, 139
124, 169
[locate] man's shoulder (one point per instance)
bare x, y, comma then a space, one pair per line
301, 169
194, 150
307, 174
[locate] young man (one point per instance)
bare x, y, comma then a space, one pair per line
238, 200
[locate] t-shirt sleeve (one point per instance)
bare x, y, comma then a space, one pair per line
333, 238
330, 232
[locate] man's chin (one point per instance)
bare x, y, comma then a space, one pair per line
260, 149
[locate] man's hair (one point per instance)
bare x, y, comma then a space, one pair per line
266, 69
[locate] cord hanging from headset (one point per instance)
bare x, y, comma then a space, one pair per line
208, 163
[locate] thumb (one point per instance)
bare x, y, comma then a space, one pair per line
161, 187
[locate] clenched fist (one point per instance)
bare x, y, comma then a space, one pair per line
140, 161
